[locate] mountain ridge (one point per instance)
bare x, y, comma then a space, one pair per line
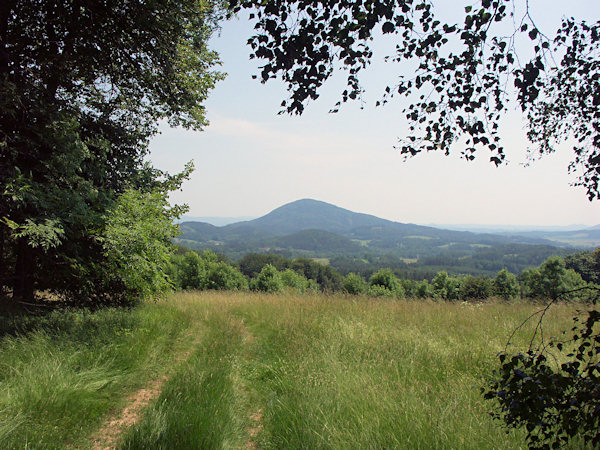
371, 232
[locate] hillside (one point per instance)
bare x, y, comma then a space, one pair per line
313, 214
318, 229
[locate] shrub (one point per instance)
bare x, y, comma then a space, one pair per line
505, 285
445, 287
550, 280
474, 288
355, 284
386, 279
294, 281
222, 276
423, 290
268, 280
377, 290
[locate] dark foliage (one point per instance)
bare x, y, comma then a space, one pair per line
459, 89
82, 87
586, 264
554, 402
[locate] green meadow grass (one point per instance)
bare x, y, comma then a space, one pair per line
265, 372
62, 374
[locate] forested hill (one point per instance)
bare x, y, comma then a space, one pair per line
313, 214
318, 229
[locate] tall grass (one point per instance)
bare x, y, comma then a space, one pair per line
60, 375
265, 371
340, 373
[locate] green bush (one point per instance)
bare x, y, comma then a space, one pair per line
505, 285
550, 280
222, 276
355, 284
294, 281
474, 288
445, 287
268, 280
423, 290
386, 279
377, 290
137, 241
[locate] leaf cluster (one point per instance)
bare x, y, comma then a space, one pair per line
464, 71
553, 392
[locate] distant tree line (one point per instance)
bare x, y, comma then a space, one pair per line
274, 273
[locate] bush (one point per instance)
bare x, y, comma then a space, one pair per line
268, 280
474, 288
221, 276
294, 281
550, 280
423, 290
505, 285
377, 290
355, 284
445, 287
137, 242
385, 279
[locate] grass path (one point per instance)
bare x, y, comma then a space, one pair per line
246, 371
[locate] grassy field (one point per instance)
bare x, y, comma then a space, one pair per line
243, 370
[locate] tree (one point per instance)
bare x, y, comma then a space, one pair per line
550, 280
268, 280
457, 94
355, 284
444, 287
385, 283
586, 264
138, 242
296, 282
505, 285
82, 88
474, 288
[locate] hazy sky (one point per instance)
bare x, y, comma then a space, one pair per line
250, 160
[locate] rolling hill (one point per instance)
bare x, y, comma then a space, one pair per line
318, 229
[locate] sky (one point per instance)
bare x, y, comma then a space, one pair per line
250, 160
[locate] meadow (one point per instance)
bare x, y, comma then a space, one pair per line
248, 370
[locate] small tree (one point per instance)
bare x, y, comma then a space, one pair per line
550, 280
223, 277
505, 285
385, 279
355, 284
423, 290
474, 288
192, 271
293, 281
445, 287
268, 280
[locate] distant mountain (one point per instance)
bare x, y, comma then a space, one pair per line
589, 237
310, 214
319, 229
512, 229
217, 221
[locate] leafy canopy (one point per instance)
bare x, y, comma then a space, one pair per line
459, 90
82, 88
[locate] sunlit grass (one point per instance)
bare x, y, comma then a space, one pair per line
268, 371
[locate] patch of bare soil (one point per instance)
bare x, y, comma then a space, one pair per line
107, 436
255, 428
